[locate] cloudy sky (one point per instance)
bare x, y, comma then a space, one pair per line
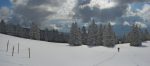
59, 14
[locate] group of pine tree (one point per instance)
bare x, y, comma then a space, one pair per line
93, 35
34, 32
103, 35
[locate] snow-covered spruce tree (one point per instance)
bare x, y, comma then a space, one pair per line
92, 34
116, 40
100, 35
75, 35
34, 32
136, 38
108, 36
84, 35
128, 37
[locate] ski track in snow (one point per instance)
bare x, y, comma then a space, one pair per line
105, 60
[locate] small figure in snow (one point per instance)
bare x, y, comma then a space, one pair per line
118, 49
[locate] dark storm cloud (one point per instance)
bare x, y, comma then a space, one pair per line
83, 2
79, 3
103, 15
31, 12
130, 1
53, 3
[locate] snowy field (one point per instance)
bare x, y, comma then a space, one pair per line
60, 54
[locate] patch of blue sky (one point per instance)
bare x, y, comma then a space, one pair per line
136, 6
5, 3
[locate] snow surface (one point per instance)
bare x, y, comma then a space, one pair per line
61, 54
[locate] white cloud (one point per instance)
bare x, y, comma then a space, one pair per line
140, 24
112, 23
126, 23
102, 4
65, 11
4, 12
54, 26
145, 12
141, 13
130, 12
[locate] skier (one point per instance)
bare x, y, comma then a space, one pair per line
118, 49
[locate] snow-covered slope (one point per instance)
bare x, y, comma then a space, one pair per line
60, 54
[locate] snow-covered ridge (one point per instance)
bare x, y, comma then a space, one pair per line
61, 54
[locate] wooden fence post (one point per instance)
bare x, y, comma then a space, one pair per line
7, 46
29, 52
13, 51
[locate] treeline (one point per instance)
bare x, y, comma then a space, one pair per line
93, 35
33, 32
103, 35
